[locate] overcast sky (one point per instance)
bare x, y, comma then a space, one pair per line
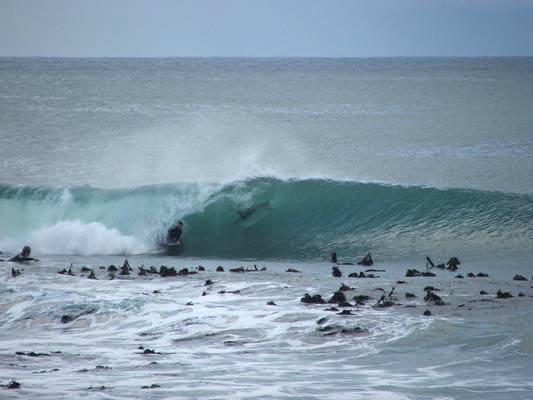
255, 28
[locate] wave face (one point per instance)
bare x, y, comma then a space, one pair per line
269, 218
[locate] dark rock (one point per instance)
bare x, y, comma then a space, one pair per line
271, 303
67, 318
427, 313
166, 272
375, 270
453, 263
200, 268
142, 271
412, 272
385, 302
333, 258
338, 297
91, 275
152, 386
519, 278
189, 303
332, 309
126, 264
431, 289
353, 331
336, 272
345, 288
293, 270
345, 312
433, 298
156, 292
503, 295
149, 351
366, 261
360, 299
345, 304
32, 354
208, 282
471, 275
401, 282
112, 268
240, 269
482, 292
204, 293
482, 275
440, 266
62, 272
459, 276
15, 272
521, 294
85, 269
322, 320
13, 384
220, 268
410, 295
315, 299
427, 274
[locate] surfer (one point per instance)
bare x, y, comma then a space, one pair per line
174, 234
248, 212
24, 255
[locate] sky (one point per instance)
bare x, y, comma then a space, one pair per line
266, 28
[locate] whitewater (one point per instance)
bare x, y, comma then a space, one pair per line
272, 165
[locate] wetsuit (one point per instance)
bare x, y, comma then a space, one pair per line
174, 234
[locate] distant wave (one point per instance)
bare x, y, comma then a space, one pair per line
268, 218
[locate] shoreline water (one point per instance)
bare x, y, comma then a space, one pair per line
230, 341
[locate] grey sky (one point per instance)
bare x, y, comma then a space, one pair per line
332, 28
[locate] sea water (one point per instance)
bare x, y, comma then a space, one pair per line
277, 163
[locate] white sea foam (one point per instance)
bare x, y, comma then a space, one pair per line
76, 237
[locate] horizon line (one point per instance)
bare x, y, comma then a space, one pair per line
265, 57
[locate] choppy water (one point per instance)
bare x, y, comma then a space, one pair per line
401, 157
235, 345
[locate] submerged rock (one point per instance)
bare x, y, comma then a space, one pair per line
433, 298
412, 272
293, 270
519, 278
361, 299
453, 263
366, 261
503, 295
336, 272
338, 297
315, 299
220, 268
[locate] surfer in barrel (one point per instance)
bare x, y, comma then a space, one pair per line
174, 234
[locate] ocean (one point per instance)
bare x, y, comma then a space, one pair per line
271, 164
